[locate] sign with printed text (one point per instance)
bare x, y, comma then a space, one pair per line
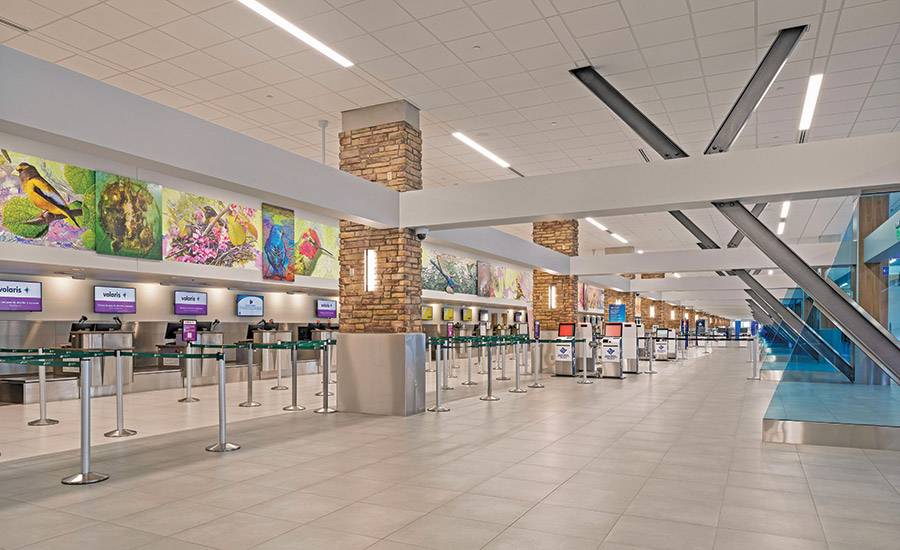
189, 330
20, 296
190, 303
563, 352
616, 313
111, 299
662, 348
610, 354
885, 270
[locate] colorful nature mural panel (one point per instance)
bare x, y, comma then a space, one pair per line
484, 279
46, 203
504, 282
448, 273
129, 217
200, 230
590, 298
317, 250
278, 243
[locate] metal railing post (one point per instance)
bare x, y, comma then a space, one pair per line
222, 446
120, 430
490, 384
753, 349
536, 366
517, 389
189, 375
42, 388
584, 375
249, 402
278, 385
437, 384
86, 476
503, 352
294, 406
469, 381
325, 409
652, 351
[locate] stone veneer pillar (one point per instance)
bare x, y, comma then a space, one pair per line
381, 347
561, 236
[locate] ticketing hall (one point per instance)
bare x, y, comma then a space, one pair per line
449, 274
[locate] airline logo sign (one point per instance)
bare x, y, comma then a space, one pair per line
20, 296
114, 300
610, 354
662, 348
563, 352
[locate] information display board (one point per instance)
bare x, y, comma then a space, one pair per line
616, 313
113, 299
447, 314
250, 305
20, 296
326, 309
190, 303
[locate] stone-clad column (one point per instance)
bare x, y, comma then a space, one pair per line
561, 236
381, 347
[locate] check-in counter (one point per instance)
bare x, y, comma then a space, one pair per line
204, 371
103, 369
269, 358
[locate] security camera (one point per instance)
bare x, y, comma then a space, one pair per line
421, 233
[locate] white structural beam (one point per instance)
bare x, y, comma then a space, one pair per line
708, 283
57, 106
721, 259
770, 174
713, 296
500, 244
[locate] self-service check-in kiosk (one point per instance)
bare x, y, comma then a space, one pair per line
672, 344
611, 351
661, 345
629, 348
563, 352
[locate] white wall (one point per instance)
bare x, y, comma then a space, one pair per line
67, 299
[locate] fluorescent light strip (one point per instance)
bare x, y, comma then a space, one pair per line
474, 145
297, 32
597, 224
620, 238
809, 105
785, 208
677, 275
780, 228
640, 251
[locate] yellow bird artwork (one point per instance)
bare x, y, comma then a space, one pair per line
42, 194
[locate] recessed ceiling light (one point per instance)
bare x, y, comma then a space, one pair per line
676, 275
785, 208
781, 228
474, 145
771, 272
297, 32
597, 224
640, 251
620, 238
809, 105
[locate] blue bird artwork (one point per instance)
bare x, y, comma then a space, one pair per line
276, 254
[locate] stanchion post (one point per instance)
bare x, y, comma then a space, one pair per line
537, 365
443, 367
223, 446
294, 406
86, 476
278, 385
325, 409
584, 374
120, 430
249, 402
753, 348
437, 384
469, 381
451, 353
503, 353
42, 388
429, 364
652, 351
517, 389
490, 385
326, 373
188, 376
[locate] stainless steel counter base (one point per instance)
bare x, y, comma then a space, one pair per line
381, 373
859, 436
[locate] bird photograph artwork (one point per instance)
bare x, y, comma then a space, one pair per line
309, 252
45, 202
278, 243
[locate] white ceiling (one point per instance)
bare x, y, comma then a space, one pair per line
494, 69
807, 221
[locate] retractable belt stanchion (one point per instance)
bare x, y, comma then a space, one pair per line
249, 402
441, 368
430, 360
451, 353
326, 374
278, 385
652, 351
517, 389
42, 387
469, 381
325, 409
753, 349
223, 446
503, 353
442, 365
484, 369
86, 476
584, 374
490, 384
536, 366
120, 430
294, 406
189, 374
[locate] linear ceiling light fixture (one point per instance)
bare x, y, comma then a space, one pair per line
620, 238
597, 224
478, 147
297, 32
781, 227
756, 89
785, 208
676, 275
809, 105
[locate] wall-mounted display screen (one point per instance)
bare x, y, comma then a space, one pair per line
249, 305
447, 314
484, 316
326, 309
114, 299
467, 314
517, 317
427, 313
20, 296
190, 303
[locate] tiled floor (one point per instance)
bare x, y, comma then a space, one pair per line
663, 462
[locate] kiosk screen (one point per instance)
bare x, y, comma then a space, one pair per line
567, 330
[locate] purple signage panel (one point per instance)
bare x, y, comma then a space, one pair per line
113, 299
189, 330
20, 296
326, 309
190, 303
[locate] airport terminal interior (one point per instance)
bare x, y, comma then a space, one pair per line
449, 274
